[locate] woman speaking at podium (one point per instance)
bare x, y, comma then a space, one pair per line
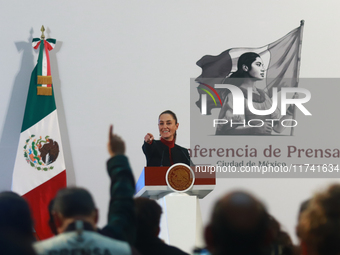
165, 152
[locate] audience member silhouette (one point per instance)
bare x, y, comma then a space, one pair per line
239, 225
148, 214
16, 225
319, 224
15, 216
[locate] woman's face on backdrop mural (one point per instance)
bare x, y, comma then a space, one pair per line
167, 126
257, 69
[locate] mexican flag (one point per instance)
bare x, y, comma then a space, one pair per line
281, 59
39, 170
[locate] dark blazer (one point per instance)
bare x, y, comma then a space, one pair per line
157, 154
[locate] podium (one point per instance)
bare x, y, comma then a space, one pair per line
181, 221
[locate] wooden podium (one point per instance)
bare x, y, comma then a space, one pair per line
181, 221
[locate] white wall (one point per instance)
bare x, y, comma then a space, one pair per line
123, 62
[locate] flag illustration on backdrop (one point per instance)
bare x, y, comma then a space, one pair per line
281, 59
39, 170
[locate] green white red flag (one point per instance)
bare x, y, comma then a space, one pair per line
39, 170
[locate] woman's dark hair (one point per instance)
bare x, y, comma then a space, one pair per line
237, 77
171, 113
173, 116
245, 59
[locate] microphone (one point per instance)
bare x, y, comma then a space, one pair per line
188, 159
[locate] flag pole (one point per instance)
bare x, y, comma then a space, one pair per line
42, 32
302, 23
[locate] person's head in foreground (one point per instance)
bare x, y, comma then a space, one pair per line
319, 224
71, 204
15, 217
239, 225
148, 214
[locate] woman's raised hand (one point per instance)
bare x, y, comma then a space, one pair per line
148, 138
